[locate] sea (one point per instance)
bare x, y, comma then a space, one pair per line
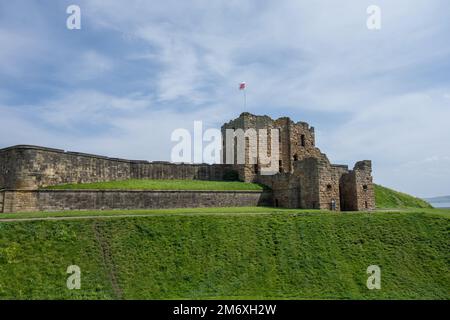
441, 204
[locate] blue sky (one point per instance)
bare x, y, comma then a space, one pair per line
137, 70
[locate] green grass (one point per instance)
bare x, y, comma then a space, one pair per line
140, 212
187, 211
147, 184
283, 254
227, 253
388, 198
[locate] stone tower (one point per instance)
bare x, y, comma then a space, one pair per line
305, 177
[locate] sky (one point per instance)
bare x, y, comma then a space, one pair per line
137, 70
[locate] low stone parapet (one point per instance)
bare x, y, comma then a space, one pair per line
59, 200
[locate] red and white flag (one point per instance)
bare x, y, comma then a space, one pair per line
242, 86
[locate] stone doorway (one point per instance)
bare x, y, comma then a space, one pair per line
343, 205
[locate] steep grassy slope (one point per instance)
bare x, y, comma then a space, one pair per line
282, 255
388, 198
161, 184
141, 212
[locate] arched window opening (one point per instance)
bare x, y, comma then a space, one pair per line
302, 140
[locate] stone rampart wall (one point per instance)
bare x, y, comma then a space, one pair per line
59, 200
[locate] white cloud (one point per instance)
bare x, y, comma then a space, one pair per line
407, 138
127, 127
15, 51
316, 56
87, 107
89, 65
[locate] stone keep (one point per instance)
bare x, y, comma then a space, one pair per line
306, 178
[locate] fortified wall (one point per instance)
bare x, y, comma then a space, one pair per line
305, 177
32, 167
58, 200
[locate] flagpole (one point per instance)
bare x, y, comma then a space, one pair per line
242, 86
245, 99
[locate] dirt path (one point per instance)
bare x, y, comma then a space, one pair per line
107, 259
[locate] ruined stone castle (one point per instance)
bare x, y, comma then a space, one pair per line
305, 178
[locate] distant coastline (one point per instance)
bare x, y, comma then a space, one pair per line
440, 205
441, 199
439, 202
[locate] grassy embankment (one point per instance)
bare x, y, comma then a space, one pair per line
148, 184
278, 255
388, 198
212, 253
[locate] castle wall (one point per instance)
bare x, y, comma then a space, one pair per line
296, 142
329, 188
299, 189
306, 178
245, 121
285, 188
306, 171
59, 200
357, 192
314, 184
348, 192
8, 166
301, 142
30, 167
365, 193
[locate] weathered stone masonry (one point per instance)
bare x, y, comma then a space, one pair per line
306, 178
31, 167
57, 200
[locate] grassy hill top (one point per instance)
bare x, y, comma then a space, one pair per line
276, 255
149, 184
388, 198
